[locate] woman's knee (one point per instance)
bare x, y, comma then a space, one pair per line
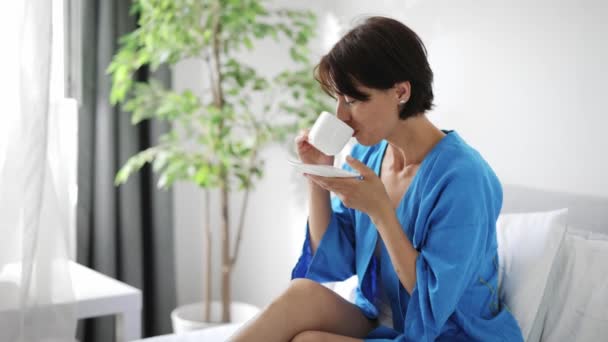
304, 298
318, 308
304, 288
300, 295
308, 336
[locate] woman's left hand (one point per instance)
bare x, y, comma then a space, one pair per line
367, 195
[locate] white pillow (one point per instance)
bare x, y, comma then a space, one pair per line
527, 246
578, 308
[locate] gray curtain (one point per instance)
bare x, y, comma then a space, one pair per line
124, 232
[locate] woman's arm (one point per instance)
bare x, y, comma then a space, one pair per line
319, 213
369, 196
401, 251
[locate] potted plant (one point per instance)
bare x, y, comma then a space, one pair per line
216, 137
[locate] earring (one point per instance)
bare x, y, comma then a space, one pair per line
402, 102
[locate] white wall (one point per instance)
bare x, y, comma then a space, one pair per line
523, 82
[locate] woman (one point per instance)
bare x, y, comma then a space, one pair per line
418, 230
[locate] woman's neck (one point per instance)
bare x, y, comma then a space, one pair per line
410, 142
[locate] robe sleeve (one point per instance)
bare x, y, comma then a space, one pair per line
334, 259
458, 229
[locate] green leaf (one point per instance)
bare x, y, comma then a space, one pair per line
163, 181
248, 43
160, 162
202, 176
134, 164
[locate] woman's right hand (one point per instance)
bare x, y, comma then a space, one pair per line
309, 154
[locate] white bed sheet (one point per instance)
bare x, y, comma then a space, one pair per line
216, 334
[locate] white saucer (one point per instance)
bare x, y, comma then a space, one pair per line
322, 170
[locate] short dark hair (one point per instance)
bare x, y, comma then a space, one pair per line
377, 54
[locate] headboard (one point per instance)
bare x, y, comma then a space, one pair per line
584, 212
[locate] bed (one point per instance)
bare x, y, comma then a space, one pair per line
559, 277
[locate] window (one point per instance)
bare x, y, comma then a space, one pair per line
63, 116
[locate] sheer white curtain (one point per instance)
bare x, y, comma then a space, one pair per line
35, 286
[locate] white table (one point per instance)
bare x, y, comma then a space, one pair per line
95, 295
99, 295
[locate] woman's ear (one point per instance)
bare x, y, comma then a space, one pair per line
403, 91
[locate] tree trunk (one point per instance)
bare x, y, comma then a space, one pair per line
225, 187
226, 262
208, 268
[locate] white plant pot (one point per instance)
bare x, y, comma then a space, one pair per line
189, 317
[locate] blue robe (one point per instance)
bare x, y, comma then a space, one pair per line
449, 214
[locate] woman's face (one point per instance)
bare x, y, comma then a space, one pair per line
372, 120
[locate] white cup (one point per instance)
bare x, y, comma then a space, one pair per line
329, 134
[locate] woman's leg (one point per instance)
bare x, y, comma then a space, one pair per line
305, 305
321, 336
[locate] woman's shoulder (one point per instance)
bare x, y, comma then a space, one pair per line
462, 177
461, 168
456, 156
